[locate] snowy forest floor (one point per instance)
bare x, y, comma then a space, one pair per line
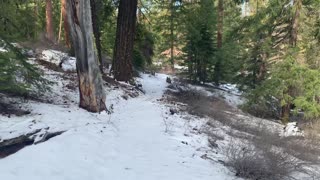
172, 131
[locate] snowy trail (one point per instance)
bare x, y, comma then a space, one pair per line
131, 144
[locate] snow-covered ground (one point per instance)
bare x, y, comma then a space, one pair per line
139, 140
58, 58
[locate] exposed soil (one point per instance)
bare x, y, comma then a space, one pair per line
7, 109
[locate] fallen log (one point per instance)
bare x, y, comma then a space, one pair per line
13, 145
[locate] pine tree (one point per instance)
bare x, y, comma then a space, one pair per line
199, 36
280, 69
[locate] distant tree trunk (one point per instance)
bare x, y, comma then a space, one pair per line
65, 23
217, 68
172, 35
95, 9
123, 51
36, 15
92, 94
49, 21
60, 23
295, 22
285, 109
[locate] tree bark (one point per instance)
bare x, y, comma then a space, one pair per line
65, 23
96, 28
171, 35
123, 51
92, 94
49, 21
220, 23
295, 22
60, 23
217, 67
285, 109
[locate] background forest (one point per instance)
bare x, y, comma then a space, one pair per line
156, 89
269, 48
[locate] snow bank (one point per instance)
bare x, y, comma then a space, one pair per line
177, 66
59, 58
2, 50
69, 64
291, 129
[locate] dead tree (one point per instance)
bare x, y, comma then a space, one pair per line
92, 94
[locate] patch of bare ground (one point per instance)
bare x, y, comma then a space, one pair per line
262, 153
10, 107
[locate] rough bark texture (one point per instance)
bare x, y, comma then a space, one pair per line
60, 23
65, 23
49, 21
126, 23
92, 95
95, 9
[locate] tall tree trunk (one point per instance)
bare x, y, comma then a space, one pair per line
36, 17
123, 51
220, 23
217, 67
95, 4
49, 21
92, 94
172, 34
65, 23
285, 109
60, 23
295, 22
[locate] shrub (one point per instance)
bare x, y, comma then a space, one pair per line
261, 163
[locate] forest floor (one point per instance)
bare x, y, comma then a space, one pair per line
171, 131
137, 139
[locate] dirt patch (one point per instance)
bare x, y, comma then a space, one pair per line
8, 108
50, 65
273, 155
198, 103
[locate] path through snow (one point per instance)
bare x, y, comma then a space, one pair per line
129, 144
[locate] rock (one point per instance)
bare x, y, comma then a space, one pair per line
184, 142
168, 80
125, 97
212, 143
173, 111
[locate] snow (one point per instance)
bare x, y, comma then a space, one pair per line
177, 66
139, 140
59, 58
69, 64
2, 50
291, 129
53, 56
